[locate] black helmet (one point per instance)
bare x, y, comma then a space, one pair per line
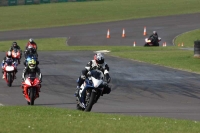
14, 44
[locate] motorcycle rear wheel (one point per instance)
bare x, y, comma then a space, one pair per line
9, 78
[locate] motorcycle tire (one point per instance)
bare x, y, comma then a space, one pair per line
91, 102
9, 78
32, 95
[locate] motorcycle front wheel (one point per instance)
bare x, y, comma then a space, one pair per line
91, 102
32, 96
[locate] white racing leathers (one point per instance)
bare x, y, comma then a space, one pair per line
91, 66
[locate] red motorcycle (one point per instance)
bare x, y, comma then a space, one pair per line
9, 72
31, 87
16, 55
148, 42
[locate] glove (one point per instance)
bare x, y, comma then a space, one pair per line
108, 78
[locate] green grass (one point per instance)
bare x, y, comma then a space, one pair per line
52, 120
188, 38
73, 13
29, 119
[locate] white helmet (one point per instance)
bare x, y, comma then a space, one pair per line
9, 54
31, 40
154, 32
99, 58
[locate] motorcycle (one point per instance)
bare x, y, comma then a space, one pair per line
9, 68
91, 90
16, 55
148, 42
30, 52
31, 87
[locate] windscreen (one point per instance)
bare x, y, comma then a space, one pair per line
97, 74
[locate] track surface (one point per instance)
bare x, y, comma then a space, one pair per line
138, 88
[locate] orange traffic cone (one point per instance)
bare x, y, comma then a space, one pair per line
163, 44
123, 33
182, 44
179, 44
134, 44
108, 34
145, 31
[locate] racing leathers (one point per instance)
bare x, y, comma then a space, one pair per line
16, 47
32, 73
31, 43
6, 60
154, 39
13, 47
30, 51
91, 66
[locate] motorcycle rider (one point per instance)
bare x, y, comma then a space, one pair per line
154, 38
6, 59
32, 69
15, 46
96, 63
32, 42
30, 51
29, 57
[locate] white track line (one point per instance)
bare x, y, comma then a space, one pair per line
1, 104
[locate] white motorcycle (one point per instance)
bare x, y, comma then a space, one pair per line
91, 90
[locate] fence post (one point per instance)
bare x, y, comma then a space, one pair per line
197, 49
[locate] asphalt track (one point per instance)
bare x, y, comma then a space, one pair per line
137, 88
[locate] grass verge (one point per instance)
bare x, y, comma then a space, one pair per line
55, 120
73, 13
188, 38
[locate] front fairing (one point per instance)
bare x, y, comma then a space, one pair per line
93, 82
9, 68
95, 79
31, 82
15, 53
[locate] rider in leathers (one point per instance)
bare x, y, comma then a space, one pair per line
30, 41
30, 51
5, 59
32, 69
15, 46
97, 63
154, 38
